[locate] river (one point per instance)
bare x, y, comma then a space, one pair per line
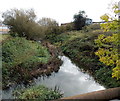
70, 80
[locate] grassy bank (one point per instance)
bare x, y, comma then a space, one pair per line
37, 93
79, 46
24, 59
4, 37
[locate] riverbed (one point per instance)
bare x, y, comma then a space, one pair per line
69, 79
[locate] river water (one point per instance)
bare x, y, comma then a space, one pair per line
70, 80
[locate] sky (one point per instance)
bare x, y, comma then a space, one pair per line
60, 10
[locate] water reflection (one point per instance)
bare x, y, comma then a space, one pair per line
70, 80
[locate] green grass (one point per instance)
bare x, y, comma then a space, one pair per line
80, 47
37, 93
21, 56
4, 37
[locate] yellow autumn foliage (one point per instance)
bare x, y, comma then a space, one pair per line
108, 51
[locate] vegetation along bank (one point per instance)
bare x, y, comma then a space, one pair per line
24, 59
80, 47
31, 49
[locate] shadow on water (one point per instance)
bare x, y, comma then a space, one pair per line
70, 80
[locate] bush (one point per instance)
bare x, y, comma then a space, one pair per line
39, 93
104, 77
49, 25
82, 45
20, 51
23, 23
79, 46
67, 27
20, 56
92, 27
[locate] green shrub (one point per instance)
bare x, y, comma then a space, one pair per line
79, 46
39, 93
104, 77
18, 51
4, 37
19, 56
91, 27
22, 23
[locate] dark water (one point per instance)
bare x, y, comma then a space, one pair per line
70, 80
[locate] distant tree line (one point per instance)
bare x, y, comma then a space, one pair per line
23, 23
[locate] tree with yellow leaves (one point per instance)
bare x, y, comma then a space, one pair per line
109, 45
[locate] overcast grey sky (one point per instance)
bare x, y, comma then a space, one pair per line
60, 10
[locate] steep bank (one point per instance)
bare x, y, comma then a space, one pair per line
79, 46
23, 60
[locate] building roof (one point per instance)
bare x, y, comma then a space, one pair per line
88, 19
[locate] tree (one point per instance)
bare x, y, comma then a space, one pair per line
50, 26
109, 45
47, 22
79, 20
23, 23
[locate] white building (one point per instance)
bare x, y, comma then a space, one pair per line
3, 29
88, 21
